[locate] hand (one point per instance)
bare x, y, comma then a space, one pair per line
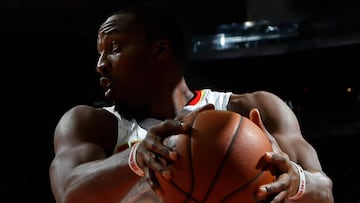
280, 165
188, 117
152, 153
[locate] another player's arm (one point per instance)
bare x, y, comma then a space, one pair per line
80, 170
283, 125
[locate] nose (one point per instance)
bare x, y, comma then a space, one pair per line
102, 64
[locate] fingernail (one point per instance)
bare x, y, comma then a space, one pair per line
263, 189
261, 192
166, 175
179, 123
268, 154
159, 192
173, 155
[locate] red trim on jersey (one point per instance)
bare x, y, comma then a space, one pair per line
124, 146
196, 98
121, 148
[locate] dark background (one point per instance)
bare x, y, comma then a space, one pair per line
48, 65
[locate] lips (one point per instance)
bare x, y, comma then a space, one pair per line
106, 83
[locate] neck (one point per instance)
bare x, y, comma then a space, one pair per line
181, 95
168, 104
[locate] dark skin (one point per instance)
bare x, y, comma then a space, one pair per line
146, 78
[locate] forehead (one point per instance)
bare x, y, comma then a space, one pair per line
118, 23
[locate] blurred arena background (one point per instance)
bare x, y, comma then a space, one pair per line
307, 52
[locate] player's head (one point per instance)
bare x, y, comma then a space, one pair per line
158, 22
141, 52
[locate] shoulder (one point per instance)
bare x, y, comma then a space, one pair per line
243, 103
84, 114
275, 112
253, 95
86, 123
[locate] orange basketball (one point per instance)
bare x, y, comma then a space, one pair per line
218, 161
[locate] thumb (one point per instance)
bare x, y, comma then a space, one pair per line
255, 117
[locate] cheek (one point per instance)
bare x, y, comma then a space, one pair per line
133, 64
131, 58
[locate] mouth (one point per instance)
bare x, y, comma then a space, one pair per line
106, 84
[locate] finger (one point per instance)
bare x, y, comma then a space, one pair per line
187, 116
147, 158
157, 135
280, 198
280, 160
167, 128
153, 182
277, 187
277, 197
156, 164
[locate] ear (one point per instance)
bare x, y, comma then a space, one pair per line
161, 47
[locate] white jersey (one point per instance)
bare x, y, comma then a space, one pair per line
129, 131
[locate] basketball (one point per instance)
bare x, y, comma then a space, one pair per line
218, 161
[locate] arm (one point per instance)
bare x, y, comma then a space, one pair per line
289, 144
80, 170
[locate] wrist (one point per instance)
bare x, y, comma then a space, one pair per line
132, 162
302, 183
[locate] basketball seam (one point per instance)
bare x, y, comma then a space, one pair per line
191, 171
242, 186
234, 136
188, 194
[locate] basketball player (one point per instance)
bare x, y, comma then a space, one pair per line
110, 154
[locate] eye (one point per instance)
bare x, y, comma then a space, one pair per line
115, 47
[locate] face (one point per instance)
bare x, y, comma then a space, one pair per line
126, 63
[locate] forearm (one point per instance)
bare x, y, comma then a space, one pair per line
107, 180
318, 189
